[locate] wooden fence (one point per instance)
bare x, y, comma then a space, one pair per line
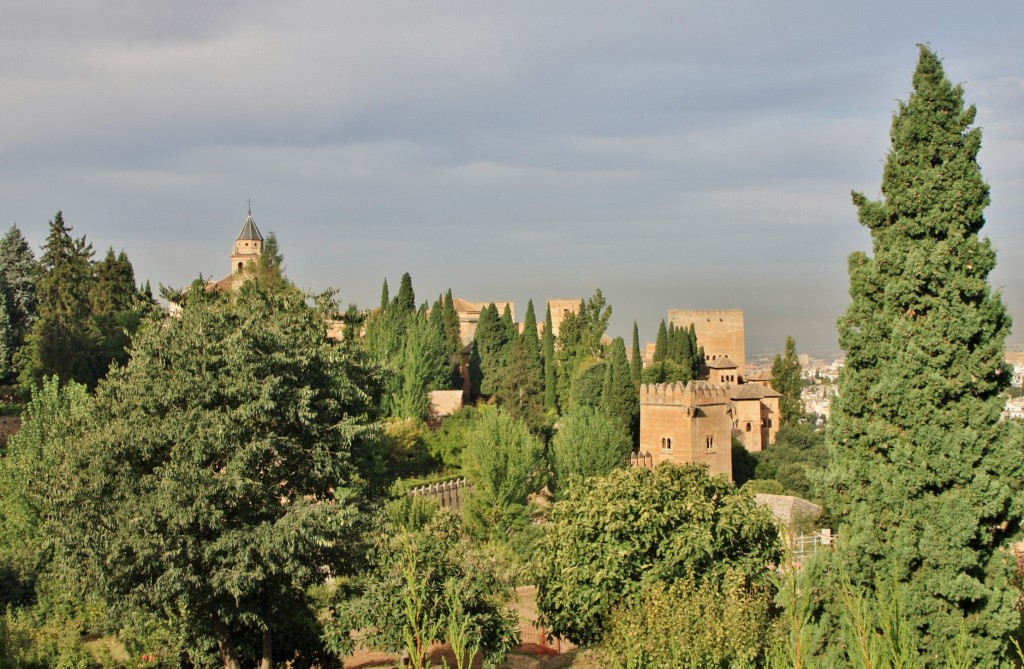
448, 495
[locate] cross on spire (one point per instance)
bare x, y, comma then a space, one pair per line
250, 205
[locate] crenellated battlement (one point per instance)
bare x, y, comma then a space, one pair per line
693, 314
694, 393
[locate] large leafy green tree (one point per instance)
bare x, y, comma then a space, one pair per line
30, 470
213, 480
925, 480
504, 462
589, 442
786, 379
621, 533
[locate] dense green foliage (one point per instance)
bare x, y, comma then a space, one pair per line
504, 461
676, 356
548, 351
213, 480
786, 380
492, 343
18, 303
30, 471
619, 397
925, 481
796, 461
86, 311
589, 442
413, 352
520, 385
427, 584
691, 623
617, 535
579, 346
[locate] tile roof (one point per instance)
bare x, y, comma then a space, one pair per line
249, 230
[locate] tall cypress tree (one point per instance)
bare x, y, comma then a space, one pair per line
925, 479
550, 380
529, 334
406, 298
619, 396
490, 345
385, 299
451, 324
786, 379
636, 365
661, 343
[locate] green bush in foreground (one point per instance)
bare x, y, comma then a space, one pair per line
634, 528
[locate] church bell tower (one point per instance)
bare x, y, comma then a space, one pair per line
248, 245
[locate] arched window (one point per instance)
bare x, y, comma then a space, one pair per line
239, 267
748, 427
709, 442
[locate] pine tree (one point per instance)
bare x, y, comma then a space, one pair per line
116, 306
636, 365
550, 380
18, 270
65, 340
925, 480
114, 288
786, 379
7, 344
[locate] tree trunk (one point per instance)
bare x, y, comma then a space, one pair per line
268, 657
228, 652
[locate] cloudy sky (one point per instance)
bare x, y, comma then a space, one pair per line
674, 154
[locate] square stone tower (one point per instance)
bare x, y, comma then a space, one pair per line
691, 423
720, 332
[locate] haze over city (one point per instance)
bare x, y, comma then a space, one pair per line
676, 155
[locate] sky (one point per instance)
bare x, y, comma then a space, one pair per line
676, 155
